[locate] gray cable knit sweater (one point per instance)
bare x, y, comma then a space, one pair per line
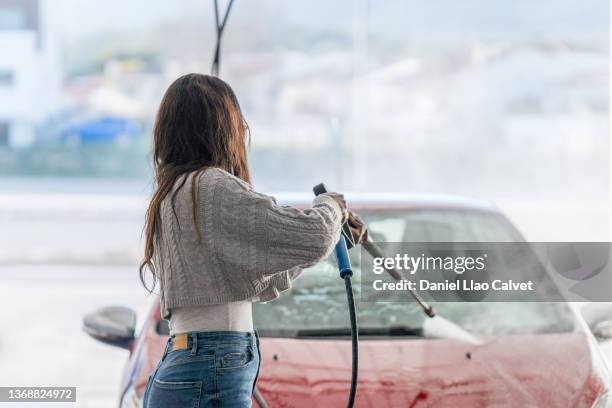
250, 248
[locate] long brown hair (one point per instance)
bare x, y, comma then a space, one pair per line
199, 124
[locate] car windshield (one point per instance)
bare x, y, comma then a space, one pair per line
317, 302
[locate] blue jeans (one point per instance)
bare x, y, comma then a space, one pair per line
217, 369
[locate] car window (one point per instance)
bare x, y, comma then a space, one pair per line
439, 225
318, 300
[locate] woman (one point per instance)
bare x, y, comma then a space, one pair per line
215, 246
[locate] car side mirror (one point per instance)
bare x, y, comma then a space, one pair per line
113, 325
598, 317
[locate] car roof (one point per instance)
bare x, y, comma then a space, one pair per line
396, 201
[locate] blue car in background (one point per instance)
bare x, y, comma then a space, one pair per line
109, 129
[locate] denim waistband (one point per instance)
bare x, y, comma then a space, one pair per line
214, 337
222, 334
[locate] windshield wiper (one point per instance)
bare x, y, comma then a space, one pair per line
363, 331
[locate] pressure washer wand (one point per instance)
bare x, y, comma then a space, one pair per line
346, 272
376, 252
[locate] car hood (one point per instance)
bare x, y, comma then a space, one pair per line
533, 370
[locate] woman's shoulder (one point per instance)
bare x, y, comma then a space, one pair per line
229, 187
217, 176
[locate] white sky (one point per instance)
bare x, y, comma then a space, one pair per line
412, 17
78, 17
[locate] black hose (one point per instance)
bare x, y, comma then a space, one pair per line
344, 264
354, 339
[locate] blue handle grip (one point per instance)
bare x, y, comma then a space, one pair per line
344, 262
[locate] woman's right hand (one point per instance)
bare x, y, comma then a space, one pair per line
339, 198
359, 230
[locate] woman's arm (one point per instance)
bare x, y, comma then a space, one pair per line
251, 234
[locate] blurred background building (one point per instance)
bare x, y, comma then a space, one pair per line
30, 71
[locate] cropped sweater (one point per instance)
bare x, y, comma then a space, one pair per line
241, 244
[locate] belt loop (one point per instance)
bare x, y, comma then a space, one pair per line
194, 344
167, 348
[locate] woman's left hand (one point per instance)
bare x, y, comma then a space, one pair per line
358, 228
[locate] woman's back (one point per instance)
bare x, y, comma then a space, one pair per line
222, 242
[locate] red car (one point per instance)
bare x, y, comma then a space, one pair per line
532, 354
